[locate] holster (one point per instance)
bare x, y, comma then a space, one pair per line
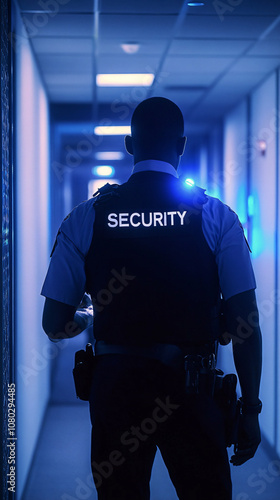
226, 398
202, 377
83, 372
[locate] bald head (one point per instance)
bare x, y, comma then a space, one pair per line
157, 131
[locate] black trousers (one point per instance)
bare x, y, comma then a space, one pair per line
138, 405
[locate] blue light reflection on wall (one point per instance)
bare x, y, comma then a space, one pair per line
241, 204
257, 242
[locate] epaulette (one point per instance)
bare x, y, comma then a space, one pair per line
105, 193
194, 194
199, 195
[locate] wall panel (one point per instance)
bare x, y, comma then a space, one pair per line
252, 189
277, 295
235, 161
235, 186
263, 191
33, 350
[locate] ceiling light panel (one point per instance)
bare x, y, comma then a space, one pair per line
112, 130
109, 155
125, 80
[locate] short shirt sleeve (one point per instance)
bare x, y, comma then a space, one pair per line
225, 236
66, 280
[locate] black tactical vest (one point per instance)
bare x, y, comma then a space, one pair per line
150, 272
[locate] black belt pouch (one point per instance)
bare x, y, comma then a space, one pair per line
83, 371
226, 397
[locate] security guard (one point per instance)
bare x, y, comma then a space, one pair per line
155, 256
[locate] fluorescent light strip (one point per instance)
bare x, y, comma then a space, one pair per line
109, 155
125, 80
103, 170
114, 130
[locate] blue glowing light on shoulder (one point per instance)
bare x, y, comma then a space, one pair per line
189, 182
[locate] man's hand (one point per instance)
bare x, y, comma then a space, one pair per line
84, 313
248, 439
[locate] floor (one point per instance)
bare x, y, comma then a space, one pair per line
61, 468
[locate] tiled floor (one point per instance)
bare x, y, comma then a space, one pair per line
61, 468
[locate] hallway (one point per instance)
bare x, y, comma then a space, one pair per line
72, 72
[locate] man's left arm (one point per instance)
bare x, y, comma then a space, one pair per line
63, 321
68, 310
58, 320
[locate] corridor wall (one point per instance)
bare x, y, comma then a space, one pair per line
251, 167
33, 349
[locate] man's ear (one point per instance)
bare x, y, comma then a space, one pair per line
128, 144
181, 145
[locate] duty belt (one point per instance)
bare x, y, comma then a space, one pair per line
200, 373
168, 354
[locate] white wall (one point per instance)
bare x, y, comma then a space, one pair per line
32, 253
278, 268
235, 189
263, 190
235, 158
257, 178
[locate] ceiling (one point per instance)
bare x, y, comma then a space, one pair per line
205, 58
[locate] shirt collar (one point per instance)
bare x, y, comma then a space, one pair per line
155, 166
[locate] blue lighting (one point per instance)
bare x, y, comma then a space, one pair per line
251, 205
195, 4
189, 182
104, 171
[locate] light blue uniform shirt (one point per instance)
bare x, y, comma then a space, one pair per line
65, 280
